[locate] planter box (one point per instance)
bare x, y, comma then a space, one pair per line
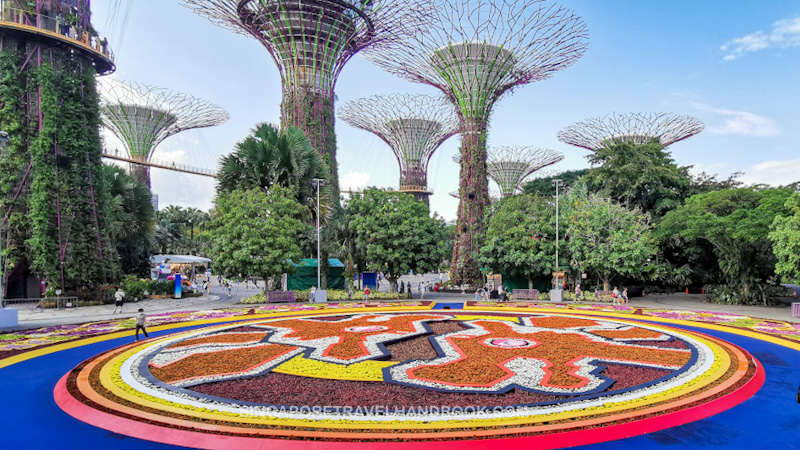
280, 296
152, 297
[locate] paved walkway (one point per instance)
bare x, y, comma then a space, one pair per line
219, 299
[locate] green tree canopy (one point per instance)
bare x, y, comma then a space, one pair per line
737, 223
271, 157
544, 186
520, 238
643, 176
397, 233
131, 219
605, 238
254, 232
785, 237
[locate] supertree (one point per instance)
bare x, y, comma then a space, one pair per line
52, 200
634, 128
475, 52
413, 126
509, 166
142, 116
310, 42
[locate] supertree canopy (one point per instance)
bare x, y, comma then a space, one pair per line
142, 116
310, 42
509, 166
635, 128
414, 126
475, 52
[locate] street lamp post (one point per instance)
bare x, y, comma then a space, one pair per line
558, 292
3, 139
318, 182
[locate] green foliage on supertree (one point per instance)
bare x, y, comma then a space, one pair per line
643, 176
785, 237
520, 239
396, 233
605, 238
737, 223
254, 232
42, 246
14, 164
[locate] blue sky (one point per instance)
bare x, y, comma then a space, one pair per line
735, 64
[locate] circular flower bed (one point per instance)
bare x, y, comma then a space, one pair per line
419, 375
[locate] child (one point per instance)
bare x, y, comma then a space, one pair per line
366, 293
478, 294
140, 324
577, 292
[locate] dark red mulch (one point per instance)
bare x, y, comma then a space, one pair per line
420, 347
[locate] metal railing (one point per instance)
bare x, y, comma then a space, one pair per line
40, 304
160, 164
56, 25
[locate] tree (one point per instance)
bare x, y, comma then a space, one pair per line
544, 186
737, 223
606, 238
785, 237
168, 235
254, 232
396, 233
643, 176
131, 219
271, 157
520, 238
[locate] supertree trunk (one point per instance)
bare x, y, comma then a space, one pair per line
312, 112
142, 173
474, 197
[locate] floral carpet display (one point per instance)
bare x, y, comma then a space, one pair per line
429, 375
417, 375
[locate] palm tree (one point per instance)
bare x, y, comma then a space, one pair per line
167, 234
131, 218
270, 156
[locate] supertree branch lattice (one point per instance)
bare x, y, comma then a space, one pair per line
635, 128
413, 126
509, 166
477, 51
310, 42
142, 116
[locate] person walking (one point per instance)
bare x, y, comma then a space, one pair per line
312, 294
625, 296
478, 294
141, 318
615, 295
577, 292
366, 293
421, 291
230, 288
402, 287
119, 299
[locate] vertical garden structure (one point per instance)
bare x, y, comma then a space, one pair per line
142, 116
52, 198
509, 166
633, 128
413, 126
475, 52
310, 42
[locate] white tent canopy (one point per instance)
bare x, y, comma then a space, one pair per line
179, 259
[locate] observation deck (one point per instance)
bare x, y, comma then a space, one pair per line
57, 31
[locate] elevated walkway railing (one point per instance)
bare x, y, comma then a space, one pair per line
168, 165
57, 27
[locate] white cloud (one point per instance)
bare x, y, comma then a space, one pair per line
785, 33
739, 123
775, 173
354, 181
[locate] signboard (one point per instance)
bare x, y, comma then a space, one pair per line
178, 285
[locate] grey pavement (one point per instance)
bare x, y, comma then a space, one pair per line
219, 299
